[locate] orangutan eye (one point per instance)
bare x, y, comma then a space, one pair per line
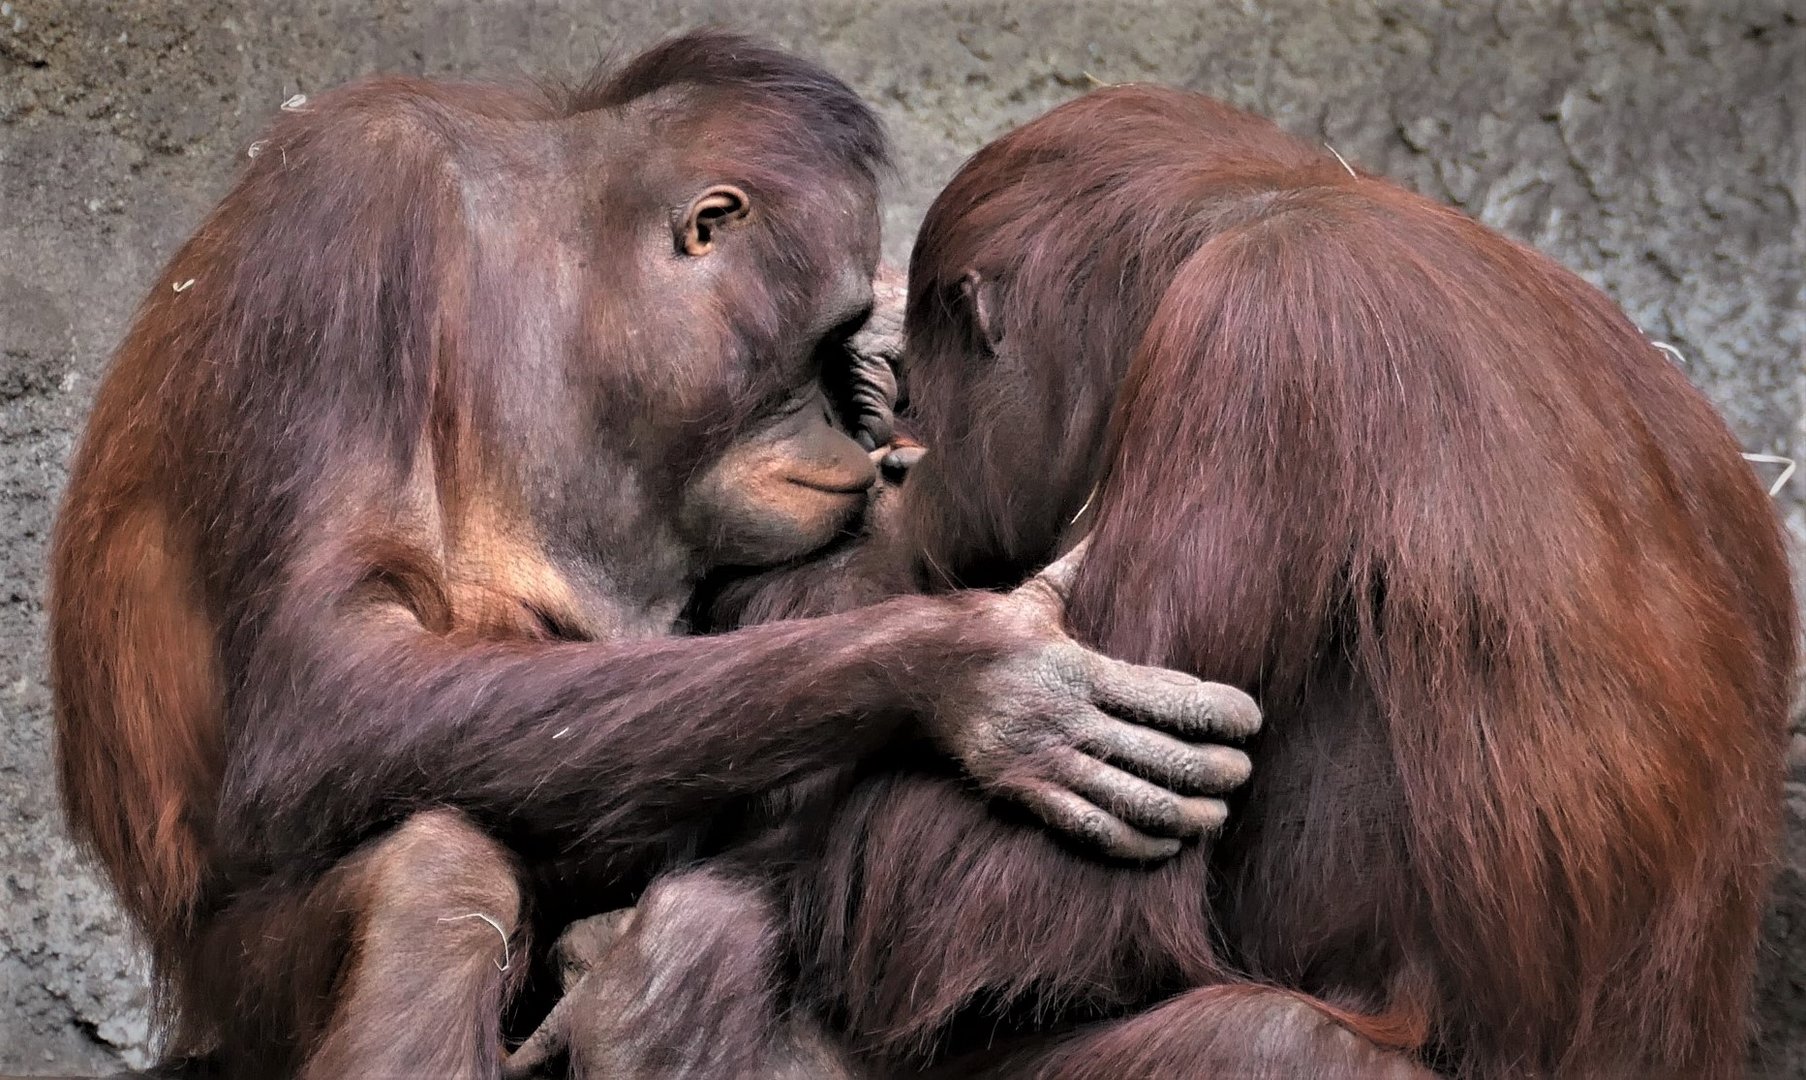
833, 355
845, 329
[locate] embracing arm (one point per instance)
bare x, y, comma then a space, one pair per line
368, 715
613, 746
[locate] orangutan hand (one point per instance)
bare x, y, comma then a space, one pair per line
1125, 759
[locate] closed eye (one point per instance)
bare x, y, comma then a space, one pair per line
852, 324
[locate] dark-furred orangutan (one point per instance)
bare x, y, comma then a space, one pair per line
1517, 614
368, 584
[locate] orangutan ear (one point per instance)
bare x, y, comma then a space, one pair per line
981, 304
714, 209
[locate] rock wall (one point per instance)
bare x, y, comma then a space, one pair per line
1655, 147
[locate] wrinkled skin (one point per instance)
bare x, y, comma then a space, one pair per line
372, 576
720, 932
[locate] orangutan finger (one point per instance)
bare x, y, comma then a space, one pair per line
1047, 590
1186, 768
1173, 701
546, 1044
1090, 825
1148, 807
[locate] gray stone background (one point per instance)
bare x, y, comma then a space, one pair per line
1655, 147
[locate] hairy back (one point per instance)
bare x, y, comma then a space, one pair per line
1418, 483
1517, 612
245, 377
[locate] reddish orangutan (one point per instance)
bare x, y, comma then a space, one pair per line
370, 579
1517, 615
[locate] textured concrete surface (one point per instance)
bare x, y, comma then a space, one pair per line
1655, 147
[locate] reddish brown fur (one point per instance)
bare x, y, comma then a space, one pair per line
137, 783
392, 931
341, 546
372, 573
1517, 613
